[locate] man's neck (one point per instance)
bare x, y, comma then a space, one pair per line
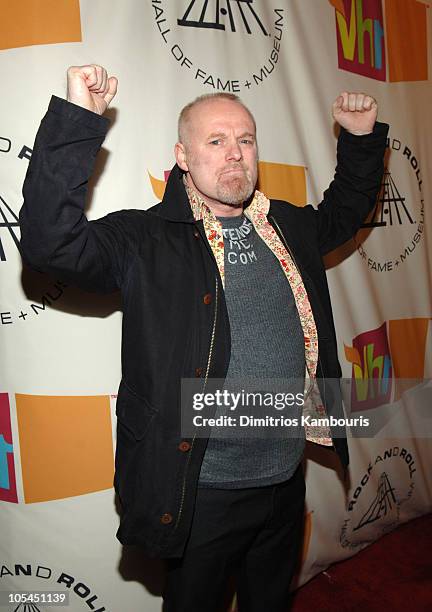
219, 209
225, 210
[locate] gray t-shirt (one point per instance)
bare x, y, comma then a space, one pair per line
266, 343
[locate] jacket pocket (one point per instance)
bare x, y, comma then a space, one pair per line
133, 411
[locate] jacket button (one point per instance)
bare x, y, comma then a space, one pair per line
207, 298
198, 372
184, 446
196, 233
166, 518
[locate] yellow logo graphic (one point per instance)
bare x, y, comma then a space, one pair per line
158, 186
277, 181
39, 22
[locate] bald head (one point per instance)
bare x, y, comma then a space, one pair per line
186, 114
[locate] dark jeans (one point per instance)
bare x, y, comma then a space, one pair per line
253, 534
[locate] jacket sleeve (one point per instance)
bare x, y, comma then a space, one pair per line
56, 236
353, 191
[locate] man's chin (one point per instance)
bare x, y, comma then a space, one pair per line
234, 195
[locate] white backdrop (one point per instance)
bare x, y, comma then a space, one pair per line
60, 358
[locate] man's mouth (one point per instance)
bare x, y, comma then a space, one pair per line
233, 170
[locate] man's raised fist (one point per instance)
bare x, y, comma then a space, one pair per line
90, 87
356, 112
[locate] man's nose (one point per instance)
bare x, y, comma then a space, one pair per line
234, 151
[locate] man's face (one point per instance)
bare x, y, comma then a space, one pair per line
220, 153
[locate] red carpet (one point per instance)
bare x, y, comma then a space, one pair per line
392, 575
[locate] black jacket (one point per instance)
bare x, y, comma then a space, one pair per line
175, 321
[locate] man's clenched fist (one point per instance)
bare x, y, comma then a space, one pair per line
90, 87
356, 112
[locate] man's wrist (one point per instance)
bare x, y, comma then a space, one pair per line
360, 133
71, 111
379, 130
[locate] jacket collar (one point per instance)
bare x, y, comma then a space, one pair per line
175, 203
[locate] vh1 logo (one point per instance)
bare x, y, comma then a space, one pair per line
383, 45
387, 361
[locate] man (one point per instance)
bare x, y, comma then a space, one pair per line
207, 505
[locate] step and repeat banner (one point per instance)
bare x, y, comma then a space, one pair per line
60, 347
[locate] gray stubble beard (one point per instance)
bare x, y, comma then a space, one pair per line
237, 191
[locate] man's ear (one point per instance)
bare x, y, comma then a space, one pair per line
180, 155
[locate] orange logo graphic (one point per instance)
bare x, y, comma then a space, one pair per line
39, 22
65, 445
283, 182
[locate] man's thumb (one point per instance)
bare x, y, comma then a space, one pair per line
112, 90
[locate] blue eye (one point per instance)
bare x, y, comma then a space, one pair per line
215, 142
